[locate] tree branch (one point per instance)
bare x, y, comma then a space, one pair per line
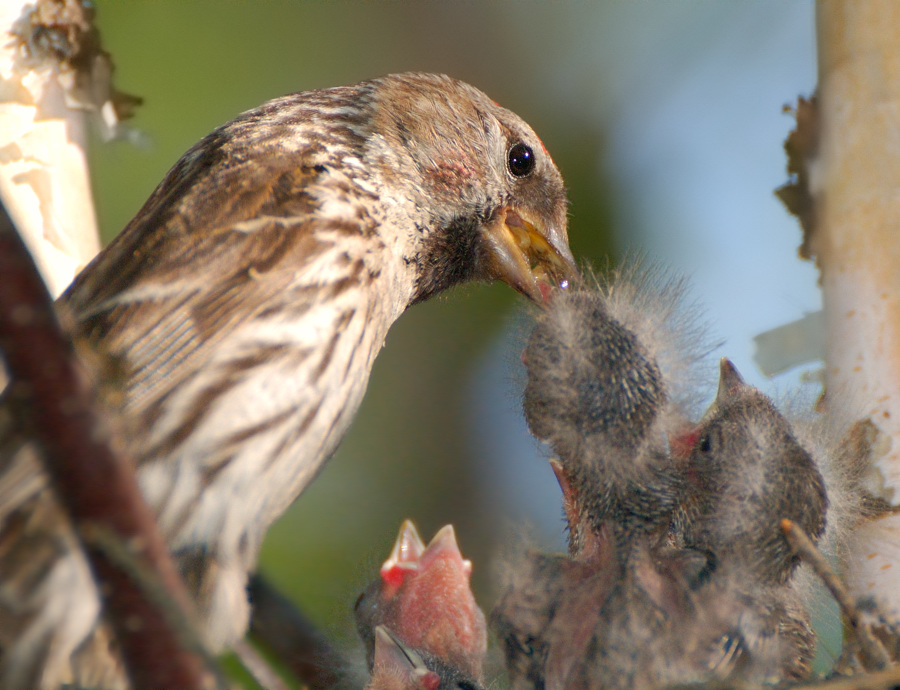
872, 654
856, 183
281, 627
93, 480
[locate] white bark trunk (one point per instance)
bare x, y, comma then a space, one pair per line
856, 182
44, 180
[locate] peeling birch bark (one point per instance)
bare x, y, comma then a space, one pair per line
44, 180
856, 242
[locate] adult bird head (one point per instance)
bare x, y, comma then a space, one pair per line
429, 167
496, 204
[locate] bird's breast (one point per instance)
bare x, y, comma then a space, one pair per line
268, 410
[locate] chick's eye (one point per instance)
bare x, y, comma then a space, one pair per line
704, 445
520, 160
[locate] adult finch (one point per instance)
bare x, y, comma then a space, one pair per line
244, 306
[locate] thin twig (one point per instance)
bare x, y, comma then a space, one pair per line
278, 624
258, 667
872, 654
101, 538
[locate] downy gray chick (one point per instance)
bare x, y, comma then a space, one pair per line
672, 575
608, 372
746, 471
611, 371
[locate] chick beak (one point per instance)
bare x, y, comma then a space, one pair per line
395, 661
731, 384
529, 257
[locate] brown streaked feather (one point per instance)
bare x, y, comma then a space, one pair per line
221, 190
128, 307
159, 338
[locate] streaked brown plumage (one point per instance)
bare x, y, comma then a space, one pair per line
244, 306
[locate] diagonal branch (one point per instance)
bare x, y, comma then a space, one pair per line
281, 627
872, 655
94, 481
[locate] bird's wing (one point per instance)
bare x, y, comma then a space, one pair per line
209, 250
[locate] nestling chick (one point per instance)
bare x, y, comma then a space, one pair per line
673, 575
607, 373
547, 615
608, 370
747, 472
422, 601
397, 667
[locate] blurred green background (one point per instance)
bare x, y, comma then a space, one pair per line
664, 119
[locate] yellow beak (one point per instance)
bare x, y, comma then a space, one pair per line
527, 256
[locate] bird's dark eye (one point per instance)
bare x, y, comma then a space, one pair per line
704, 445
520, 160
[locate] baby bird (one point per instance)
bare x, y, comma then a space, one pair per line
419, 620
747, 471
606, 386
397, 667
677, 571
